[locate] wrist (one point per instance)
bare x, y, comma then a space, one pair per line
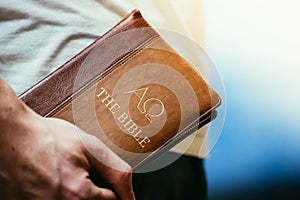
10, 105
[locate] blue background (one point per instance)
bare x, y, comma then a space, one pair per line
255, 46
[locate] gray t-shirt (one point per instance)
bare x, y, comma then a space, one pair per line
36, 37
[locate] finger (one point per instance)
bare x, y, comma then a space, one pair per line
119, 181
110, 167
99, 193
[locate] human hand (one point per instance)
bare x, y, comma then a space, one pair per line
46, 158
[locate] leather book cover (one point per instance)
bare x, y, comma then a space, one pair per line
131, 90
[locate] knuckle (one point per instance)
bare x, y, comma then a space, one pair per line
128, 169
125, 174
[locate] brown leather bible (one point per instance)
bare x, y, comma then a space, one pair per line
131, 90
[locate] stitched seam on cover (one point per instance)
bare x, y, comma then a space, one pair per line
118, 65
184, 131
187, 129
173, 139
203, 81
